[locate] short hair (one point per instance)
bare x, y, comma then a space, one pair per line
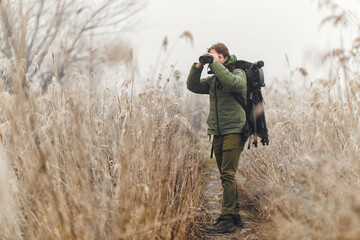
220, 48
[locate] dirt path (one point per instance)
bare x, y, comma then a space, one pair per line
211, 209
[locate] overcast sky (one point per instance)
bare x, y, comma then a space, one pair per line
252, 29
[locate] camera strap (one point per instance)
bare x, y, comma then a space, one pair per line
209, 70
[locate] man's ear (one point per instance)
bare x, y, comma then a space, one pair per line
226, 58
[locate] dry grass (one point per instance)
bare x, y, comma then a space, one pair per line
79, 163
306, 184
83, 162
82, 165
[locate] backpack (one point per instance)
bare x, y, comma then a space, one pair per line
255, 125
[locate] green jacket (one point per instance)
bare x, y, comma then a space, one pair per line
226, 114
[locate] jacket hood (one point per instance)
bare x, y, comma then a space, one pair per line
231, 61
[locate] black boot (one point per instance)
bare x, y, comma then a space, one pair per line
237, 220
222, 226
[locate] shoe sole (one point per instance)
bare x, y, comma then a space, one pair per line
225, 231
231, 230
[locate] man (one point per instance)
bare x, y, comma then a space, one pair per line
225, 121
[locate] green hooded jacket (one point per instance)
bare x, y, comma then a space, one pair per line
226, 114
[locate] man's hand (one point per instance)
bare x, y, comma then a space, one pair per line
199, 64
216, 57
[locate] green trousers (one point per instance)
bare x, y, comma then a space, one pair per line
227, 149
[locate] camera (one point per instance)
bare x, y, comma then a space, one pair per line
206, 59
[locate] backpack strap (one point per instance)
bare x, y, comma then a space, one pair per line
240, 100
210, 81
237, 96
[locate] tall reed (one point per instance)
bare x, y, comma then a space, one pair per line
79, 164
306, 185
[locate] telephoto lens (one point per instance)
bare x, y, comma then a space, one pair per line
206, 59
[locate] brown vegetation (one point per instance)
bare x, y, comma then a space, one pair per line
306, 183
84, 166
82, 162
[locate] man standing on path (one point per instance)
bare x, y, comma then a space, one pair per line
225, 121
